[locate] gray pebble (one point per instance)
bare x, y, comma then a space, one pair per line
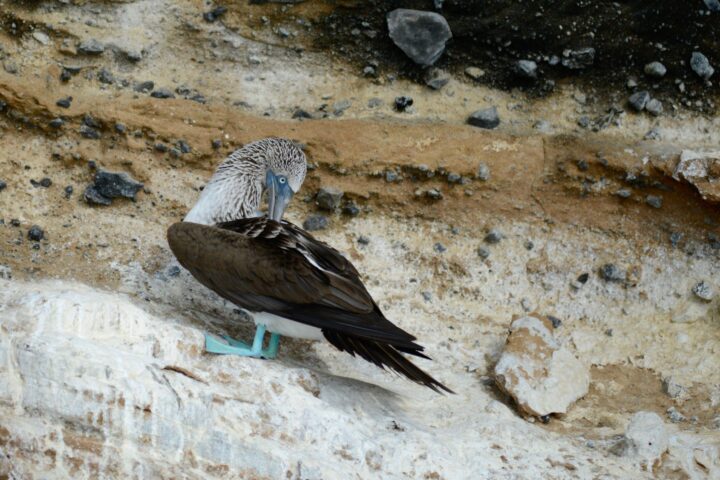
439, 248
453, 177
672, 388
483, 252
419, 34
654, 201
434, 194
403, 103
64, 102
329, 198
315, 222
351, 209
526, 68
183, 146
89, 132
529, 245
391, 176
713, 5
655, 69
674, 415
611, 273
120, 127
173, 271
653, 134
483, 172
494, 236
436, 78
340, 106
363, 240
36, 233
556, 322
105, 76
703, 291
701, 65
578, 59
56, 123
374, 102
623, 193
487, 118
91, 47
639, 100
116, 184
162, 93
526, 304
144, 87
427, 296
3, 185
675, 238
654, 107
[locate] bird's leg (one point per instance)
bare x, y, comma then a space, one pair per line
231, 346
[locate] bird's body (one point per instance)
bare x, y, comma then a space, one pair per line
293, 284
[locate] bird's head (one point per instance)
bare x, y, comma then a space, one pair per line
284, 175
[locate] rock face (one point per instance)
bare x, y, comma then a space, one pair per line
421, 35
541, 376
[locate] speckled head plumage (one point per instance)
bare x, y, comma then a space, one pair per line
275, 165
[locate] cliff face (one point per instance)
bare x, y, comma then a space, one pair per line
456, 231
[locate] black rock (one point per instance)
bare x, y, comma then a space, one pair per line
91, 47
639, 100
92, 196
160, 147
36, 233
56, 122
89, 132
65, 75
116, 184
162, 93
454, 177
655, 69
391, 176
183, 146
701, 65
611, 273
300, 113
439, 248
105, 76
45, 182
578, 59
493, 236
675, 238
3, 185
654, 201
64, 102
529, 245
556, 322
69, 191
363, 240
216, 144
315, 222
402, 103
582, 165
15, 222
526, 69
90, 121
144, 87
420, 35
486, 118
351, 209
483, 252
583, 278
436, 78
120, 127
329, 198
214, 14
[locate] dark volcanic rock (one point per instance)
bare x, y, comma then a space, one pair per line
315, 222
611, 273
144, 87
402, 103
578, 59
64, 102
109, 185
329, 198
436, 78
89, 132
421, 35
56, 123
485, 118
701, 65
639, 100
526, 68
3, 185
36, 233
493, 236
214, 14
162, 93
105, 76
91, 47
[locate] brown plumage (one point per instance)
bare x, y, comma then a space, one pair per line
265, 266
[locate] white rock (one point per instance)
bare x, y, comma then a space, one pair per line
693, 165
646, 438
541, 375
41, 37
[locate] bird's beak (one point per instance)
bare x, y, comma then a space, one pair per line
279, 196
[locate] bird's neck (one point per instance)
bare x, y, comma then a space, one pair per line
228, 197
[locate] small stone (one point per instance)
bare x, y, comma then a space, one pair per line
611, 273
646, 438
654, 107
623, 193
639, 100
315, 222
673, 388
675, 416
526, 69
454, 177
654, 201
69, 191
56, 123
173, 271
90, 121
36, 233
675, 238
556, 322
350, 209
64, 102
487, 118
363, 240
340, 106
434, 194
216, 144
183, 146
10, 67
92, 196
45, 182
15, 222
402, 103
713, 5
494, 236
41, 37
374, 102
329, 198
419, 34
427, 296
144, 87
655, 69
391, 176
105, 76
214, 14
483, 172
3, 185
116, 184
653, 134
439, 248
584, 121
529, 245
436, 78
162, 93
120, 127
703, 291
474, 72
299, 113
631, 83
701, 65
483, 252
89, 132
582, 165
160, 147
578, 59
583, 278
91, 47
369, 71
526, 304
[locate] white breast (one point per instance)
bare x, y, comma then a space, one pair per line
287, 328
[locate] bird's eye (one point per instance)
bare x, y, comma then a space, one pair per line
282, 180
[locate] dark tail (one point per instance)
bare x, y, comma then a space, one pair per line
385, 356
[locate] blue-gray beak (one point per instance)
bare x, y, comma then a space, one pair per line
279, 195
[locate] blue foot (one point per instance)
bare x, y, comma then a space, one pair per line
228, 346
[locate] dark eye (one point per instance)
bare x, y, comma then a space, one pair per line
282, 180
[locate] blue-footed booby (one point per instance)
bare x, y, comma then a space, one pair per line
291, 283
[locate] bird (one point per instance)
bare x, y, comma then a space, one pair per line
291, 283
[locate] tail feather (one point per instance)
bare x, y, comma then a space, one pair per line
385, 356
